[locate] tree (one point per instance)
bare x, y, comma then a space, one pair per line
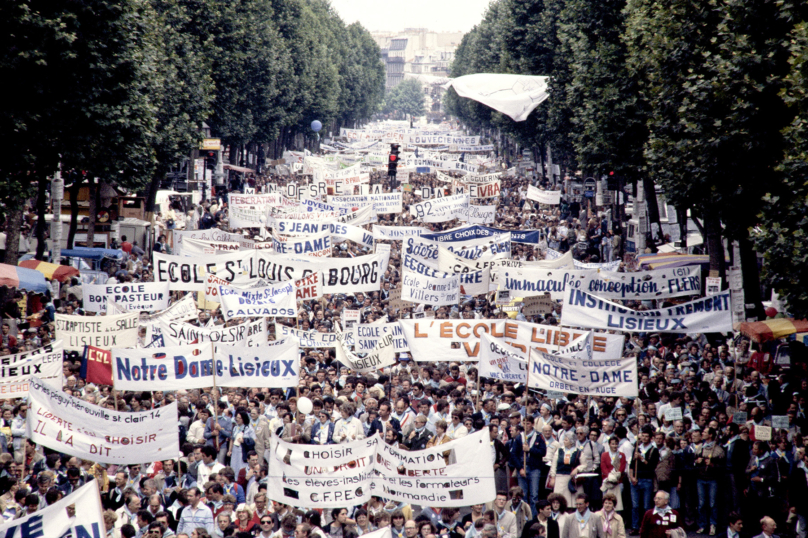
406, 98
784, 214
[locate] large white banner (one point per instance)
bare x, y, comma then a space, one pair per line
513, 95
15, 370
105, 332
459, 340
484, 190
213, 234
706, 315
188, 273
589, 378
183, 310
418, 288
307, 339
440, 209
200, 247
479, 214
276, 301
482, 248
340, 275
454, 474
535, 281
471, 283
146, 296
192, 366
543, 197
368, 334
251, 334
72, 426
78, 515
250, 210
501, 361
644, 285
317, 245
394, 233
381, 356
389, 202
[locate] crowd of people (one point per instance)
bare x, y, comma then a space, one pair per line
695, 452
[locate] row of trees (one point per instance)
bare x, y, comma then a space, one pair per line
705, 98
119, 89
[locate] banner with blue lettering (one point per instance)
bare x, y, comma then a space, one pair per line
193, 366
276, 301
317, 245
500, 361
706, 315
616, 377
464, 233
644, 285
78, 515
535, 281
368, 334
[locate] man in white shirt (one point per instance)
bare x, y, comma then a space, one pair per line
208, 466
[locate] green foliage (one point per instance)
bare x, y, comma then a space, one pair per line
406, 98
784, 214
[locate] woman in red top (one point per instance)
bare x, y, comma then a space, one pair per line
612, 467
244, 518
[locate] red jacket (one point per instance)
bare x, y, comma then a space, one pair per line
654, 525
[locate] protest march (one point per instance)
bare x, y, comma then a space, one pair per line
324, 350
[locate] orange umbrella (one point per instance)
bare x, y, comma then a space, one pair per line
772, 329
62, 273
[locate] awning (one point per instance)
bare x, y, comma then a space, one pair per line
26, 279
241, 169
667, 261
96, 254
772, 329
62, 273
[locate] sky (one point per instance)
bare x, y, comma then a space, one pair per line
436, 15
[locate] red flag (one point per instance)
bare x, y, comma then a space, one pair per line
97, 365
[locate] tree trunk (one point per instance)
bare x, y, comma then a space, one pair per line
74, 208
715, 247
41, 225
94, 189
751, 279
13, 224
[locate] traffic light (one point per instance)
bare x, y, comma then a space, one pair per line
392, 160
612, 183
210, 156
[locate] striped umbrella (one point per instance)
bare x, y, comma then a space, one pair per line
25, 279
62, 273
772, 329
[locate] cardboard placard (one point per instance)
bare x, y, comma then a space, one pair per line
534, 306
763, 433
673, 413
739, 417
396, 301
780, 422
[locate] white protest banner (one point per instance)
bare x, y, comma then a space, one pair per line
501, 361
277, 365
482, 178
543, 197
351, 233
579, 348
429, 290
551, 263
485, 190
318, 245
213, 234
183, 310
146, 296
340, 275
589, 378
381, 356
105, 332
450, 262
644, 285
381, 203
533, 281
440, 209
324, 476
188, 274
249, 210
321, 475
452, 474
212, 283
471, 283
446, 178
307, 339
706, 315
251, 334
368, 334
479, 214
16, 369
482, 248
200, 247
444, 140
72, 426
394, 233
276, 301
384, 250
432, 340
78, 515
165, 368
